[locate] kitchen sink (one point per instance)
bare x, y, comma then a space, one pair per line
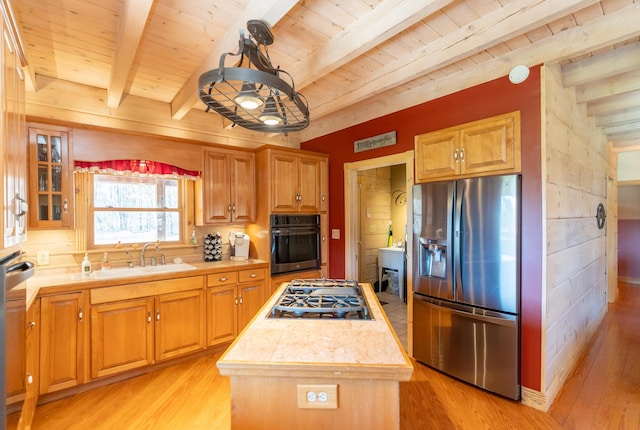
126, 272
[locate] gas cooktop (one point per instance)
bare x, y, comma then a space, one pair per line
322, 298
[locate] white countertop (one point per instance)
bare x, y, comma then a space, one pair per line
392, 248
61, 280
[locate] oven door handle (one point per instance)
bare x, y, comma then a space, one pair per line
18, 273
9, 258
293, 232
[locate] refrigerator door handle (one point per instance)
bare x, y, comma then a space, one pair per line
484, 318
506, 322
457, 239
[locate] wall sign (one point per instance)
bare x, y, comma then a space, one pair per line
375, 142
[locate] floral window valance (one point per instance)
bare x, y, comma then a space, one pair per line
142, 168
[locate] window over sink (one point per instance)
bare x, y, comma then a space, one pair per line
133, 209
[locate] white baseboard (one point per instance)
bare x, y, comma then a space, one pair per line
628, 280
534, 399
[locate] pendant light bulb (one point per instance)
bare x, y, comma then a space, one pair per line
270, 116
248, 97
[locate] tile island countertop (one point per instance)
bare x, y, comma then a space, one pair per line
367, 349
278, 367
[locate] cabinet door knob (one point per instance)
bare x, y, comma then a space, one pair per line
223, 279
29, 378
461, 154
240, 299
80, 314
31, 324
455, 155
253, 275
158, 315
236, 299
148, 317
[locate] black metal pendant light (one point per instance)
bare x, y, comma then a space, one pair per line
254, 96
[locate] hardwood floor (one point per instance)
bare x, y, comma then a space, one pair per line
602, 393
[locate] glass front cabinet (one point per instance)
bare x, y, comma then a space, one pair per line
50, 179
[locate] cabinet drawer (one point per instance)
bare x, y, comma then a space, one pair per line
251, 275
145, 289
224, 278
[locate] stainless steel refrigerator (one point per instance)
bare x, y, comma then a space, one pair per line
466, 280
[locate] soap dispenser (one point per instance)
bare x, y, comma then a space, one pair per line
105, 262
86, 265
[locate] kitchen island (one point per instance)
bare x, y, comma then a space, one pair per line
304, 373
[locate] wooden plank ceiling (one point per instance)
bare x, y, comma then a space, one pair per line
134, 64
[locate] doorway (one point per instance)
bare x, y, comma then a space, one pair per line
360, 249
382, 221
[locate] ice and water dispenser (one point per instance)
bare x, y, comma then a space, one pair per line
433, 258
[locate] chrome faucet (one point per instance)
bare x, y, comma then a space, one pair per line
144, 248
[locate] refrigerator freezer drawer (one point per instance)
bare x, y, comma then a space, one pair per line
480, 348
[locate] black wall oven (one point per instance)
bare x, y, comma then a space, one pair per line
295, 243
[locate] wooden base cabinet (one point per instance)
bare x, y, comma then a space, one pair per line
233, 299
251, 299
63, 341
179, 324
32, 372
222, 314
487, 147
137, 325
121, 336
16, 332
22, 327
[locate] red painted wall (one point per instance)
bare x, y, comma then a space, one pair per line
492, 98
628, 239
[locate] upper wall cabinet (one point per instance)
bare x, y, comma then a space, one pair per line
295, 180
50, 178
229, 186
487, 147
13, 141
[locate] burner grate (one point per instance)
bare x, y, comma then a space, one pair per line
321, 298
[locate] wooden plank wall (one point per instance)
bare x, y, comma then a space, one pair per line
375, 195
577, 167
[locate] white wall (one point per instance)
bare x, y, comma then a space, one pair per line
629, 166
